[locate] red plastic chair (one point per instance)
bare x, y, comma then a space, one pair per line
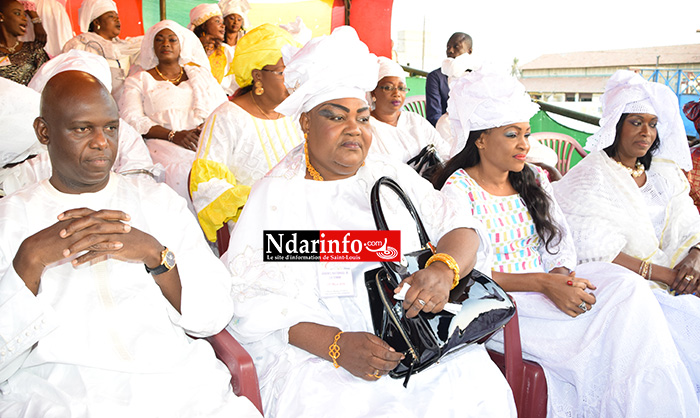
415, 104
244, 378
526, 378
563, 145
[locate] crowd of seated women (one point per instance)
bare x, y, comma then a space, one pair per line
257, 131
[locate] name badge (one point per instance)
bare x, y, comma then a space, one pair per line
5, 61
335, 281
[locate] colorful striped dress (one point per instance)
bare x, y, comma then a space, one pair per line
514, 239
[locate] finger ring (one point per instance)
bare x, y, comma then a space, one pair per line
583, 307
689, 277
569, 282
422, 302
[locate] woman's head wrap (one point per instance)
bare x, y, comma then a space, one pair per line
457, 67
628, 92
390, 68
692, 112
239, 7
483, 100
299, 31
203, 12
19, 106
73, 60
191, 49
258, 48
92, 9
329, 67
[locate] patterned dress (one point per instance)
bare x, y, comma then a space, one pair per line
21, 66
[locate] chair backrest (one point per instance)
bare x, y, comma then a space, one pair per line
415, 104
564, 145
526, 378
244, 378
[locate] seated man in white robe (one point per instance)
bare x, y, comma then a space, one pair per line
94, 309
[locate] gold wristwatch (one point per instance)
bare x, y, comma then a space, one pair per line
167, 262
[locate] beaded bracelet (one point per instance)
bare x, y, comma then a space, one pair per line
450, 262
171, 136
334, 349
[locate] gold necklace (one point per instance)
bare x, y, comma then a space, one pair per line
252, 96
314, 174
174, 80
635, 172
11, 50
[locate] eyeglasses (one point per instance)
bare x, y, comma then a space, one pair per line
273, 72
391, 89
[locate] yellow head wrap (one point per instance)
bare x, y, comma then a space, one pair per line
258, 48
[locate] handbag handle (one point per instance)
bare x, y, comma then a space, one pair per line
378, 214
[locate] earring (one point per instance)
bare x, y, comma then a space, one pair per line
98, 27
306, 135
259, 90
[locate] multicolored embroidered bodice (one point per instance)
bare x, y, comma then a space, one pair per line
511, 230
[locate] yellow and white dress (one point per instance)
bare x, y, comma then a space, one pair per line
235, 150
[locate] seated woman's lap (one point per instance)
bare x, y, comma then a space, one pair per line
466, 385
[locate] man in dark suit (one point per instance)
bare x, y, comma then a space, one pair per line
436, 88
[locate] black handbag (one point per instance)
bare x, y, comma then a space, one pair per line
427, 337
427, 162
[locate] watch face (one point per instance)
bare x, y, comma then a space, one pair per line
170, 259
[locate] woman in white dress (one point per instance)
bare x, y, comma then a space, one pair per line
245, 137
598, 332
398, 133
169, 100
283, 316
99, 21
628, 202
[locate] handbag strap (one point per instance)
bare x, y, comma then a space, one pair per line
378, 214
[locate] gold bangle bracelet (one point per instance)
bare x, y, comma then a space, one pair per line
334, 349
450, 262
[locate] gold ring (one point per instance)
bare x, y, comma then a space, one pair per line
689, 277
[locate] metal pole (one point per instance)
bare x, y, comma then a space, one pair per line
162, 9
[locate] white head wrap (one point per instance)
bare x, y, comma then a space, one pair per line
19, 106
73, 60
484, 99
389, 68
191, 49
628, 92
239, 7
92, 9
298, 30
203, 12
456, 67
329, 67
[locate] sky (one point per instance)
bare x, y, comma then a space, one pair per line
506, 29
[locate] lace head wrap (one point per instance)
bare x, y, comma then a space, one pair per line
329, 67
201, 13
239, 7
191, 49
19, 106
258, 48
299, 31
92, 9
73, 60
457, 67
389, 68
628, 92
485, 99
